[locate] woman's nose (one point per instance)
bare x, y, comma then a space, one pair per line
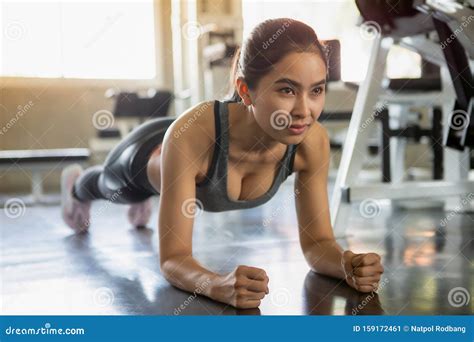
302, 110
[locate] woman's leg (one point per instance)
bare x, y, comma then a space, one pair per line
139, 213
80, 188
122, 179
88, 186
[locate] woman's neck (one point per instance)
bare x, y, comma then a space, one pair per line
248, 136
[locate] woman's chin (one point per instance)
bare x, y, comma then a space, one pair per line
291, 138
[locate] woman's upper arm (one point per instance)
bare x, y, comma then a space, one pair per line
181, 158
311, 199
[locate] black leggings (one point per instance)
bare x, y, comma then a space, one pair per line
123, 178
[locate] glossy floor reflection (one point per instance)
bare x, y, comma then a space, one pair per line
114, 269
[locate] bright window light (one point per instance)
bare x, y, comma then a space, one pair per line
71, 39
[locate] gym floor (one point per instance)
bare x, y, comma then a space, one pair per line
114, 268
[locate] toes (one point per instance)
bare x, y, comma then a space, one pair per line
73, 219
139, 213
132, 212
83, 223
79, 221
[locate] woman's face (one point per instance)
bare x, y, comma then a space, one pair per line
293, 93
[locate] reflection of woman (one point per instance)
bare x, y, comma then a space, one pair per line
233, 155
320, 293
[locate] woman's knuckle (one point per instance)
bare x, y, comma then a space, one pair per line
240, 282
240, 270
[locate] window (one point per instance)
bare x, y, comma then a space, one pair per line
72, 39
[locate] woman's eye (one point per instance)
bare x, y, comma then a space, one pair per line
287, 90
318, 91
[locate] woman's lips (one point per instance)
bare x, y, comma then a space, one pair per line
297, 129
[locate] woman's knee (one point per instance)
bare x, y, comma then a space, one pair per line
87, 185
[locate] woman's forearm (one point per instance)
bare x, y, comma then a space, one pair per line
325, 257
186, 273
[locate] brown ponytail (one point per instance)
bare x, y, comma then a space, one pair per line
234, 95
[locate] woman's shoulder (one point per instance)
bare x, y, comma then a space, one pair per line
314, 149
192, 135
195, 125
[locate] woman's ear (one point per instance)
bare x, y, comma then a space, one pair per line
243, 91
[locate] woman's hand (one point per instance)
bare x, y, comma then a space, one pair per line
242, 288
362, 271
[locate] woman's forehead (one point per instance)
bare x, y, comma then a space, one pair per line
306, 68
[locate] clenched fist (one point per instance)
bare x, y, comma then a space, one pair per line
362, 271
242, 288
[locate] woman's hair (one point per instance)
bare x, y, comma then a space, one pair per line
267, 44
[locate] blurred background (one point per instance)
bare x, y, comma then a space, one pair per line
77, 76
82, 74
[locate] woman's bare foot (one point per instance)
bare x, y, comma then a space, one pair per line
74, 212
